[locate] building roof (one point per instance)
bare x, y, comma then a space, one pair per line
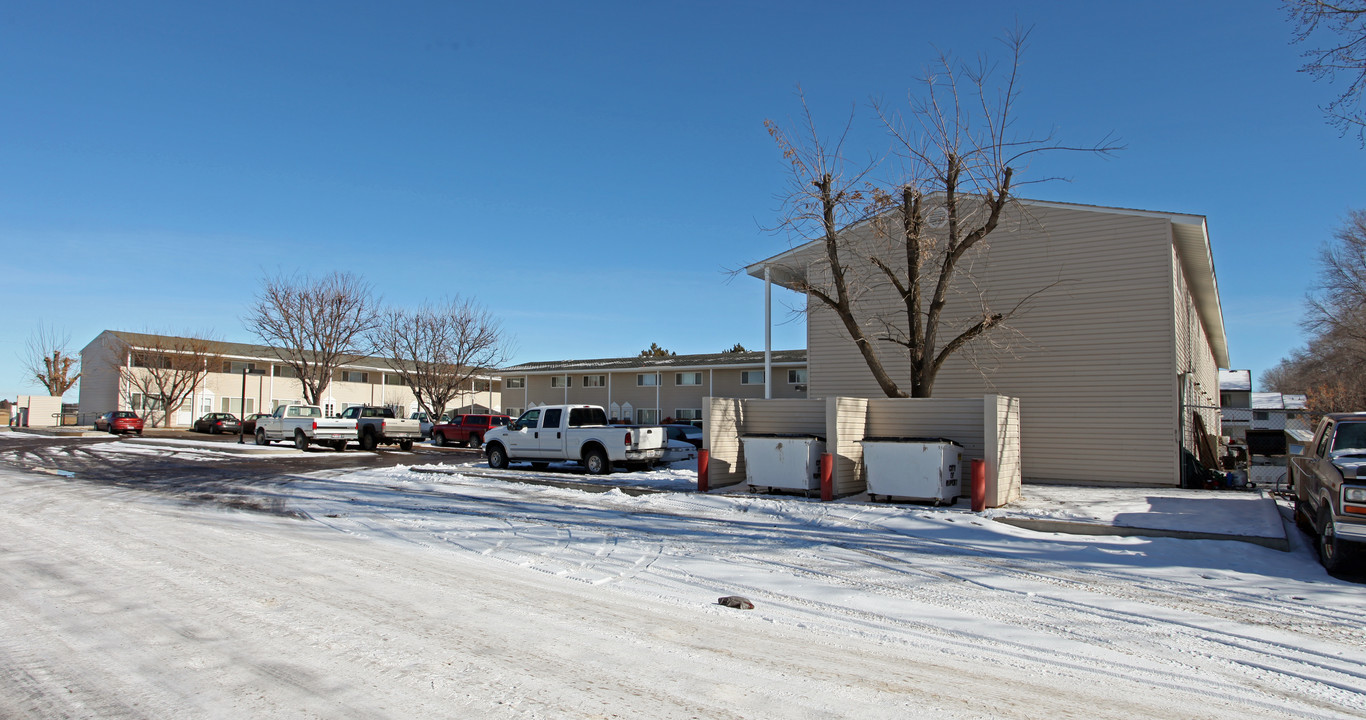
1190, 235
671, 362
248, 351
1295, 402
1233, 380
1267, 401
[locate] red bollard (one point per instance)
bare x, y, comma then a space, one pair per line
827, 477
979, 485
703, 459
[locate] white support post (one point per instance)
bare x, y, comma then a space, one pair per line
768, 333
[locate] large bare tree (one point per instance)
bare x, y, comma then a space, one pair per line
314, 325
439, 350
48, 359
158, 373
1341, 25
956, 154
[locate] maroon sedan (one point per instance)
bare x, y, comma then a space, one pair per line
119, 422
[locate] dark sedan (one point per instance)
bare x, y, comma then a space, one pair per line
215, 423
249, 425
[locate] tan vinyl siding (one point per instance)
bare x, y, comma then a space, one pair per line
957, 420
1091, 360
99, 384
1001, 430
727, 420
721, 437
847, 419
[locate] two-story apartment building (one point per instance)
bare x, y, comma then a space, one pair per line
652, 389
369, 381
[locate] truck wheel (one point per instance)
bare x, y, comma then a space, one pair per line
367, 442
595, 462
1333, 553
475, 441
405, 445
339, 446
439, 439
300, 440
498, 458
261, 438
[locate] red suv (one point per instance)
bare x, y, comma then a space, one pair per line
466, 430
119, 421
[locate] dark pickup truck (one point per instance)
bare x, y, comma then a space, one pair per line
1330, 488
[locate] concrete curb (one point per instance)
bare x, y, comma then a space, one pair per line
1074, 527
546, 482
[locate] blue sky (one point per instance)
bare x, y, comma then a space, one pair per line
590, 172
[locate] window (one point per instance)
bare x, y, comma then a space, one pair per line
528, 419
1261, 415
285, 371
394, 379
559, 381
151, 360
552, 418
687, 414
595, 381
236, 368
647, 416
579, 417
516, 383
232, 405
514, 411
796, 377
355, 376
689, 378
752, 377
481, 385
647, 379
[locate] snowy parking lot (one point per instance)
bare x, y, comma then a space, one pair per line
187, 582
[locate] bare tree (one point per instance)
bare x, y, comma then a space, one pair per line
48, 359
439, 350
314, 325
958, 151
160, 372
1343, 24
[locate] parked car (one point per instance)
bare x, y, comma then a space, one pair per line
118, 422
380, 426
1329, 477
578, 433
304, 424
467, 430
215, 423
249, 424
690, 434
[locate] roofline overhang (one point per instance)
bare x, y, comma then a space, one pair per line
654, 368
1190, 236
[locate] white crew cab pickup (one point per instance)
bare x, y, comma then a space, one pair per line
556, 433
304, 424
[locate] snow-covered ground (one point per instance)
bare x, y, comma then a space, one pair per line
398, 593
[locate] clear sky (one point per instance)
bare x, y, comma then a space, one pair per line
591, 171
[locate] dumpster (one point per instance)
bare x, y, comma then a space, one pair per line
779, 461
914, 468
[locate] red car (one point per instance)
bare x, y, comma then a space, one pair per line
466, 430
119, 422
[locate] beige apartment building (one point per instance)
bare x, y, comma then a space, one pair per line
370, 381
1114, 360
652, 390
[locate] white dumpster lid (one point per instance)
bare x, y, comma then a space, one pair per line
939, 440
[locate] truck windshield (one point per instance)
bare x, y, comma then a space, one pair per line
1350, 436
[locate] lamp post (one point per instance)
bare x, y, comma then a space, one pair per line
242, 402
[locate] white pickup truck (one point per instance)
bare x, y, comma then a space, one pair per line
304, 424
556, 433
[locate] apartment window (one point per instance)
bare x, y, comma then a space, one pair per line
394, 379
516, 383
688, 378
355, 376
480, 385
752, 377
285, 371
232, 405
236, 368
647, 379
151, 360
688, 414
1261, 415
560, 381
514, 412
647, 416
796, 377
595, 381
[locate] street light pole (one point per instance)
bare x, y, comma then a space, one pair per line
242, 402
